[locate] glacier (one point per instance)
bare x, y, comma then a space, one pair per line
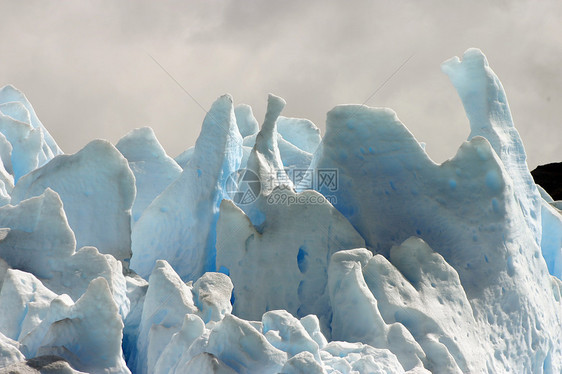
275, 249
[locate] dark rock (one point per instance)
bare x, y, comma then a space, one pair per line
549, 177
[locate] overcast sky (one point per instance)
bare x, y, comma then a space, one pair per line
85, 65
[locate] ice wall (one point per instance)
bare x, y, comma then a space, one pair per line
276, 250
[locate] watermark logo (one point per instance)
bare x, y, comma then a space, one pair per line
243, 186
301, 178
328, 178
284, 196
305, 179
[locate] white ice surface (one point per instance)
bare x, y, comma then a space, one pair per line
247, 123
41, 242
3, 264
486, 107
191, 329
24, 302
97, 188
265, 159
166, 303
72, 331
25, 142
6, 171
179, 225
239, 345
356, 316
282, 240
466, 209
9, 351
286, 333
418, 289
136, 293
39, 234
10, 94
292, 157
154, 170
288, 256
183, 158
32, 145
551, 240
6, 156
300, 132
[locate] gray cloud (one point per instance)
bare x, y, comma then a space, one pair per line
85, 68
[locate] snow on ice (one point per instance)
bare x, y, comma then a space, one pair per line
277, 250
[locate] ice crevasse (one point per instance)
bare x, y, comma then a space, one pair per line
277, 250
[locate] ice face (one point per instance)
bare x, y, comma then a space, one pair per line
183, 158
356, 317
21, 109
247, 123
9, 351
71, 330
465, 209
136, 293
288, 256
25, 142
211, 294
292, 157
40, 241
486, 107
286, 333
300, 132
551, 239
180, 224
97, 188
289, 248
28, 301
192, 328
6, 170
31, 144
153, 169
296, 138
242, 347
265, 159
431, 302
166, 303
39, 234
